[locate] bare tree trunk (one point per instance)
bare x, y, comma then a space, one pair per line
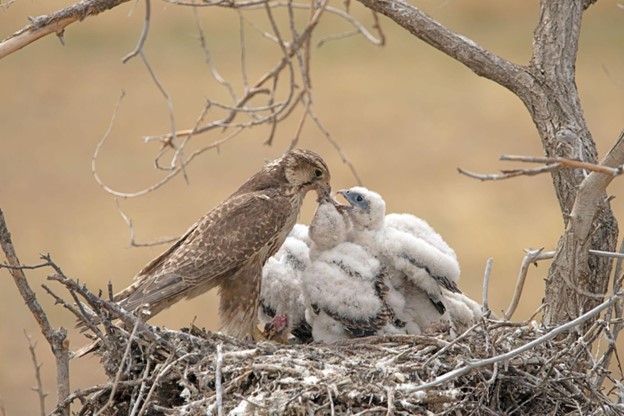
576, 280
556, 111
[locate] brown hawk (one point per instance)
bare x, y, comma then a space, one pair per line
228, 246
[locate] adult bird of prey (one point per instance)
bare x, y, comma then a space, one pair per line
420, 263
228, 246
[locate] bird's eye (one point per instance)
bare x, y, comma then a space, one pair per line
359, 198
318, 173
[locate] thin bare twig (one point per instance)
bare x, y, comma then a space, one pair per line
144, 33
165, 368
211, 65
133, 242
536, 255
570, 163
120, 370
506, 174
335, 144
24, 267
508, 355
331, 400
142, 388
611, 335
39, 386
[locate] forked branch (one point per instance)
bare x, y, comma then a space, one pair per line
57, 338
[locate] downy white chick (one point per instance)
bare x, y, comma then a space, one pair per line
282, 308
344, 285
345, 292
417, 268
329, 227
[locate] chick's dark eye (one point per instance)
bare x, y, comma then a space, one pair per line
318, 173
359, 198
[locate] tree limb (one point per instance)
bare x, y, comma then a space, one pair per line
594, 187
56, 338
481, 61
54, 23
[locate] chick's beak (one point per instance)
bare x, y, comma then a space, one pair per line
345, 194
343, 207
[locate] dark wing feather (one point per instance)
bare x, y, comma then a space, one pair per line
438, 304
303, 332
443, 281
361, 327
217, 246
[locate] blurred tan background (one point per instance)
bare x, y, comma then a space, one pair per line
405, 115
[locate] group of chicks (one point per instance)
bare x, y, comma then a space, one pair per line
357, 272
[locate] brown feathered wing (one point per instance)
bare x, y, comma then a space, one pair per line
213, 249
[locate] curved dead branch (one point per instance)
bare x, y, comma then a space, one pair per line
54, 23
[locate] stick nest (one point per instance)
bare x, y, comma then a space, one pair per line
193, 372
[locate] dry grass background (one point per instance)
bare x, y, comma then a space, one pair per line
405, 115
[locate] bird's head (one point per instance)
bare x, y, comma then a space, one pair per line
306, 171
368, 208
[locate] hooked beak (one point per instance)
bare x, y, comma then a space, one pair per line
323, 191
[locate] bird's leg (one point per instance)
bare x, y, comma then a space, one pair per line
239, 304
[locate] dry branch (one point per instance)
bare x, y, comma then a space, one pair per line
54, 23
57, 338
570, 163
551, 164
506, 174
39, 386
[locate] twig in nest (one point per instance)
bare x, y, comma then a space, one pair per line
506, 356
536, 255
611, 334
218, 384
142, 388
124, 358
455, 341
390, 400
531, 257
486, 284
331, 400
